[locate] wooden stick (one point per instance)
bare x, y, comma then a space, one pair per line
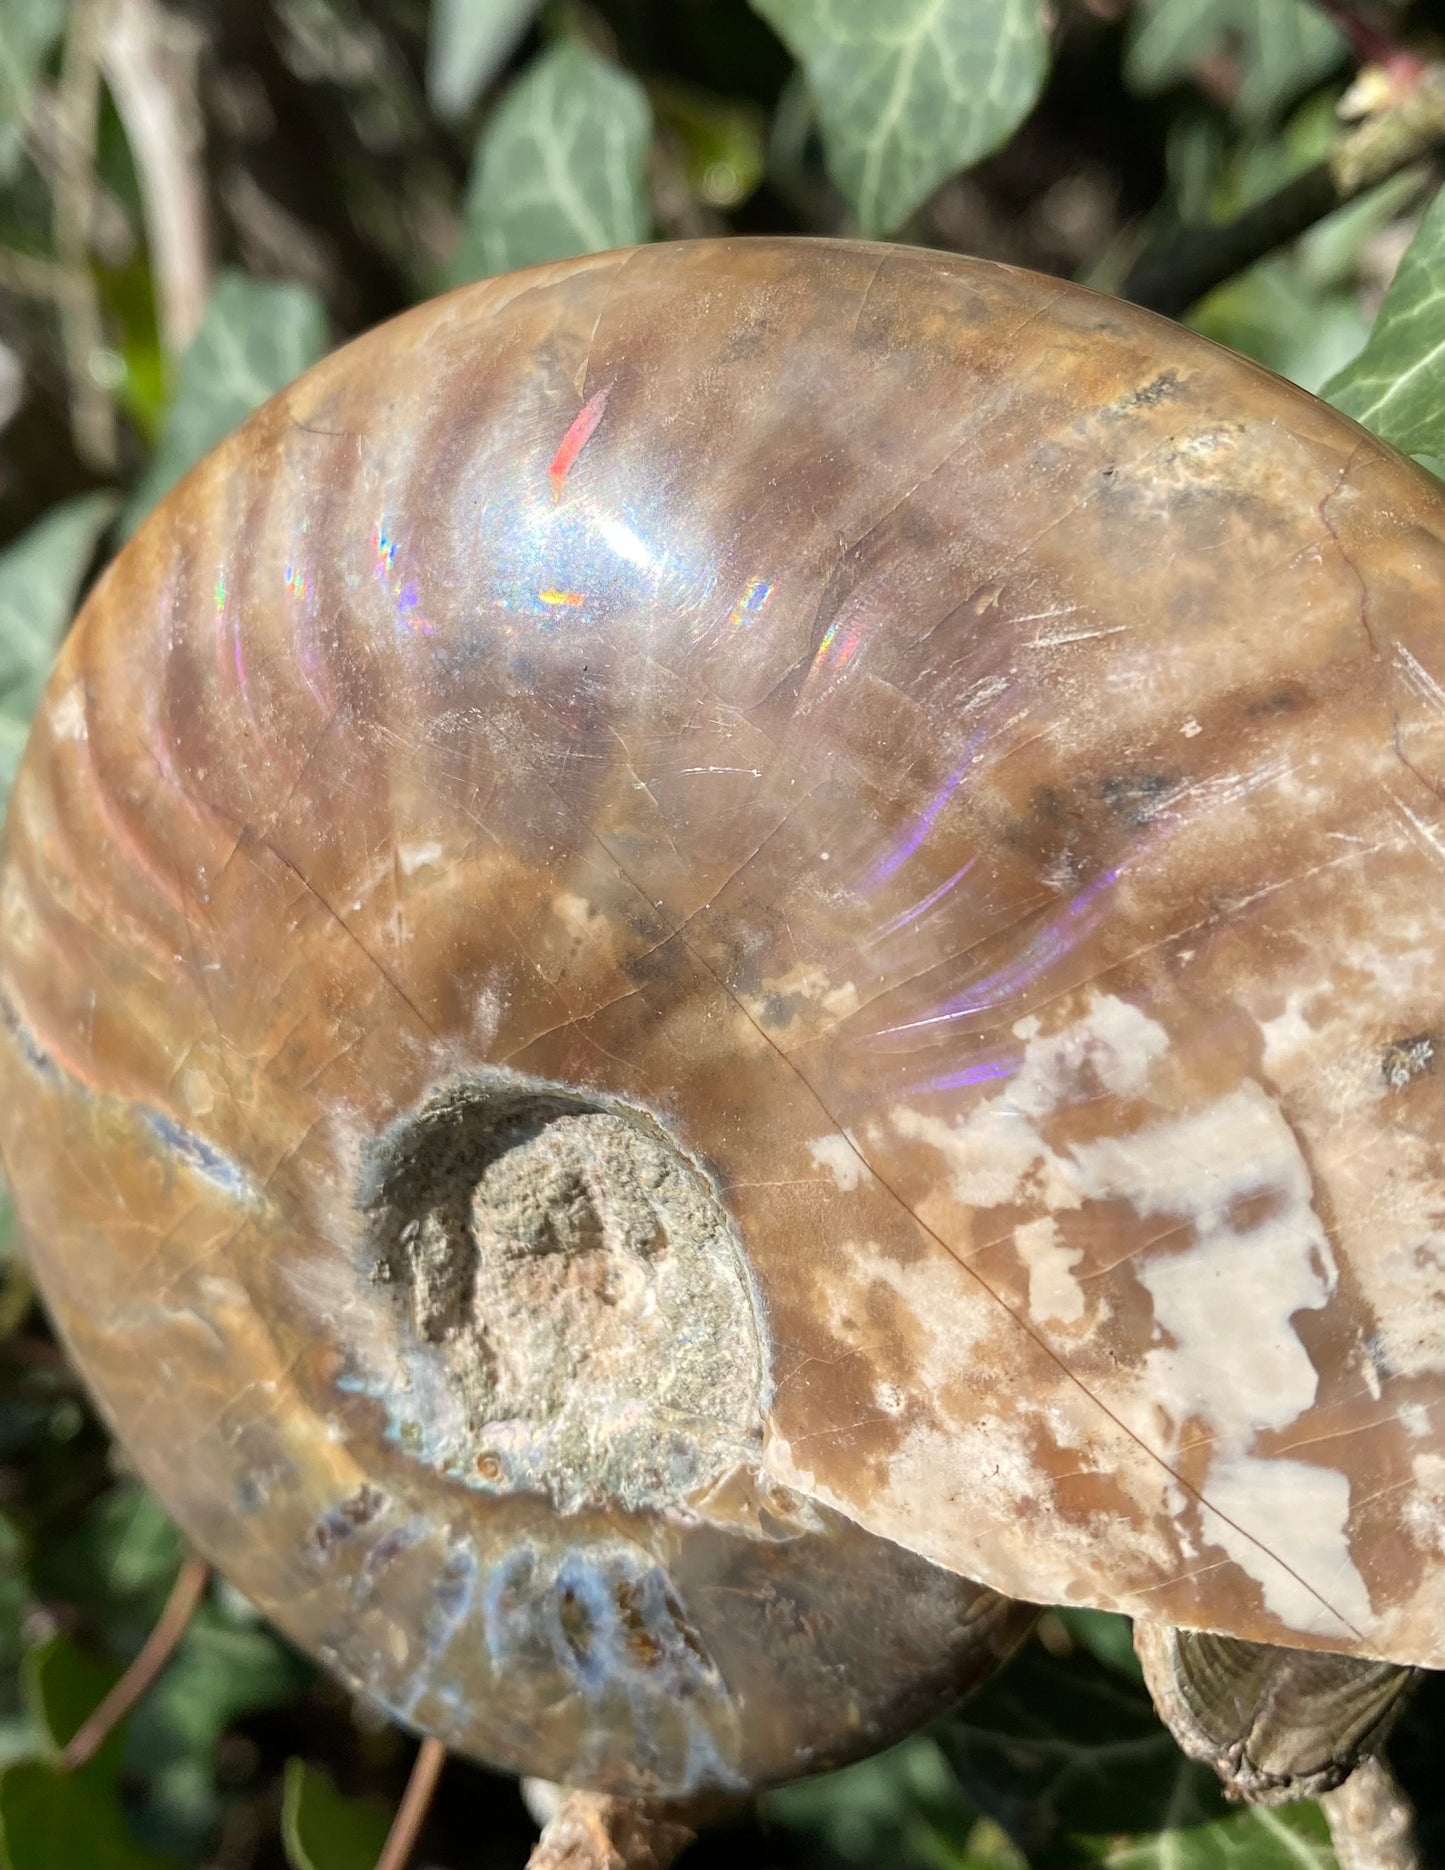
590, 1831
155, 1653
415, 1804
1372, 1822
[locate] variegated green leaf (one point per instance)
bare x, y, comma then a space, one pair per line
560, 168
909, 93
1396, 386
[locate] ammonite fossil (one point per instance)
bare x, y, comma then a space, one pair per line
721, 962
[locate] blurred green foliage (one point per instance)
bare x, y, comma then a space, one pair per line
1282, 47
194, 203
255, 336
40, 573
1299, 311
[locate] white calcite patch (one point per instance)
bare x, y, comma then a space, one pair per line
842, 1161
67, 714
414, 857
1240, 1281
805, 1000
993, 1154
1114, 1040
486, 1018
1254, 1255
1384, 1178
954, 1495
1055, 1295
946, 1335
1420, 1513
989, 1157
1239, 1256
573, 911
1307, 1511
1291, 1032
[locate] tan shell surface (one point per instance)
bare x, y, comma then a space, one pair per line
964, 754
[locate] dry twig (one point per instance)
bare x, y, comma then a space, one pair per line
28, 273
150, 58
156, 1652
415, 1804
92, 414
1372, 1823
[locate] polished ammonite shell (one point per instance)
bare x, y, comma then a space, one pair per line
712, 939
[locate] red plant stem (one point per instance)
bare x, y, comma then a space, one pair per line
1371, 43
155, 1653
415, 1804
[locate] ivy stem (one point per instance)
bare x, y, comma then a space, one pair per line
155, 1653
1175, 272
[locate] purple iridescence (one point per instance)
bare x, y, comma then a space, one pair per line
922, 907
1061, 933
986, 1071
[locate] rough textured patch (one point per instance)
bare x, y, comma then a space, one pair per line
575, 1283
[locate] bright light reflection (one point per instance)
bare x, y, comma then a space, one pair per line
625, 542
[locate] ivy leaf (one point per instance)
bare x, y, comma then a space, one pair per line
324, 1831
1291, 1837
1071, 1760
909, 93
31, 29
119, 1560
62, 1687
560, 168
1396, 386
50, 1820
228, 1665
1107, 1637
17, 1296
255, 337
1284, 47
902, 1808
468, 43
224, 1668
1273, 314
40, 574
48, 1817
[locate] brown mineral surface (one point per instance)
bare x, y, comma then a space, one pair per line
945, 770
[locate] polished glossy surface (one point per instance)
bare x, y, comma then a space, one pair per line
946, 767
